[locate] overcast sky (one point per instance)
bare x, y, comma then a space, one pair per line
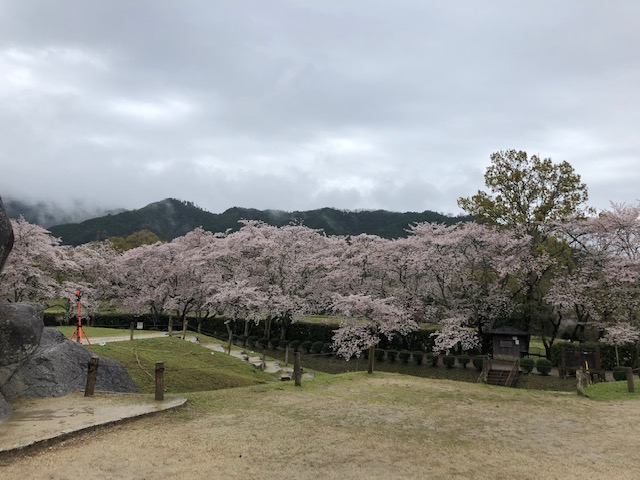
296, 105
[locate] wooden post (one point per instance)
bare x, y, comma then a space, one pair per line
159, 380
286, 356
92, 373
630, 380
170, 325
372, 354
185, 324
132, 327
297, 371
227, 324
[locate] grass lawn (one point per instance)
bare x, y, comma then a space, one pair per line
68, 330
188, 366
612, 391
359, 426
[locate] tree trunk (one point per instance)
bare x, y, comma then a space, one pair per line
228, 325
185, 325
297, 369
372, 354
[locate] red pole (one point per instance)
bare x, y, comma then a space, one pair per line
79, 319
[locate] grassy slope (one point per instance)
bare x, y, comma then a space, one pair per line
188, 366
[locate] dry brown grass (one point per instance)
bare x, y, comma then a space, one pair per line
359, 426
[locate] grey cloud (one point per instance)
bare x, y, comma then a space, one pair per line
296, 105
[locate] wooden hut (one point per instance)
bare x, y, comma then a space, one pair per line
510, 343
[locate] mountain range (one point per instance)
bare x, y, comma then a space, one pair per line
171, 218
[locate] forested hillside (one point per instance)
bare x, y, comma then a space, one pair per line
171, 218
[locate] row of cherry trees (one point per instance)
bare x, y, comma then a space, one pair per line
464, 277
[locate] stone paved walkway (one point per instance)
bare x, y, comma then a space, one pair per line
39, 420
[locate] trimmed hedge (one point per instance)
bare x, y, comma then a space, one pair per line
543, 366
449, 361
463, 360
391, 355
478, 362
432, 358
418, 355
620, 373
527, 365
404, 355
316, 347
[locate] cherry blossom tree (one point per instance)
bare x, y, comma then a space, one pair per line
600, 287
239, 301
452, 334
94, 276
141, 286
36, 267
467, 273
368, 318
620, 334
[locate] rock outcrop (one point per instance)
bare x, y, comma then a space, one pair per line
40, 362
59, 366
21, 327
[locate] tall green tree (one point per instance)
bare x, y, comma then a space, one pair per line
528, 191
531, 193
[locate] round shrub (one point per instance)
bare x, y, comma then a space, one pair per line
432, 358
463, 360
251, 340
543, 366
306, 346
478, 362
449, 361
418, 356
316, 347
379, 354
263, 342
284, 343
619, 373
392, 355
295, 345
275, 343
327, 348
404, 355
527, 365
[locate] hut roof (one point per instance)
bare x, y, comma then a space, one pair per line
509, 331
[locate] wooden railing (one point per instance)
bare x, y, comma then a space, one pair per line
515, 369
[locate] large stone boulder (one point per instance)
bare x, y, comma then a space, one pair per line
59, 366
20, 331
5, 408
6, 236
